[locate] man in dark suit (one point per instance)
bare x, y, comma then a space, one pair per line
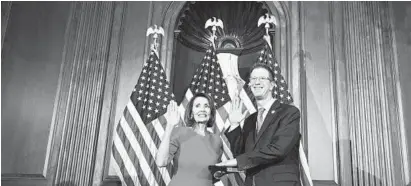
267, 145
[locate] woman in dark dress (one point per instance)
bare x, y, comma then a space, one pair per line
192, 146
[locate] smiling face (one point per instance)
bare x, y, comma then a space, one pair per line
261, 83
201, 110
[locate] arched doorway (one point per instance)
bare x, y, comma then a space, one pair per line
288, 51
183, 45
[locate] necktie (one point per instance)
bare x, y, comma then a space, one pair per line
260, 119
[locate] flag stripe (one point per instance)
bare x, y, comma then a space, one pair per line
159, 126
182, 108
147, 130
219, 121
137, 136
223, 114
226, 144
163, 121
247, 103
230, 177
156, 130
136, 139
187, 97
304, 165
135, 153
117, 163
227, 150
240, 177
142, 135
231, 180
128, 164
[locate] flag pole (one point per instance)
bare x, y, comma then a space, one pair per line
214, 22
267, 20
137, 135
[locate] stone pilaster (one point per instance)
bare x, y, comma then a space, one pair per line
80, 97
339, 100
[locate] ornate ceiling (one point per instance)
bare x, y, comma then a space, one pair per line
240, 25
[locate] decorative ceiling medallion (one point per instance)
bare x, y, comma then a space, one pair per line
240, 25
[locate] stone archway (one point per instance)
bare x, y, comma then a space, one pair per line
288, 50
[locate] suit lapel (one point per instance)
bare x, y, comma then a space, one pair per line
251, 134
268, 120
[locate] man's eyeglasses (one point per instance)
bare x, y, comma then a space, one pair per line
254, 79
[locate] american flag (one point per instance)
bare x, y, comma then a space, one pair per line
209, 79
281, 93
138, 134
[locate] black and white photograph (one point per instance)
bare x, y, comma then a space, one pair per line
205, 93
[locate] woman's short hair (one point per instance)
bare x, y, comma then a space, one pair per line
188, 115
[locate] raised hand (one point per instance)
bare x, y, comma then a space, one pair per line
236, 115
173, 116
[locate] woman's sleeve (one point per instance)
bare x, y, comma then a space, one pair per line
174, 143
220, 148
